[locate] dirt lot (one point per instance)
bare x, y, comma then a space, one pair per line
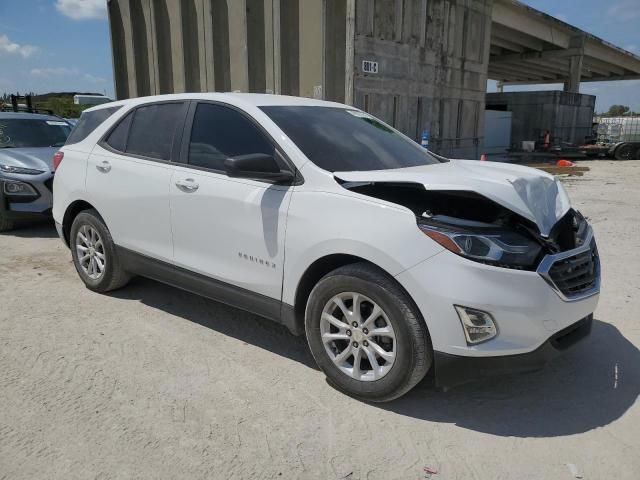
152, 382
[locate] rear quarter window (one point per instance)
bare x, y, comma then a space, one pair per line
88, 122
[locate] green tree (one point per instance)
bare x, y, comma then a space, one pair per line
617, 110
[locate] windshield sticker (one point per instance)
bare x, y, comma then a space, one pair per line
55, 122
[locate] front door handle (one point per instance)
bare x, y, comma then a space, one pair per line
104, 167
187, 185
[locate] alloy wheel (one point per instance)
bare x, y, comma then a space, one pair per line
358, 336
90, 252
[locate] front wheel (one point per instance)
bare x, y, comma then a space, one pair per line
366, 334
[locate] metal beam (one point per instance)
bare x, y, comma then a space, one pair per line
556, 65
499, 42
584, 80
515, 15
512, 72
544, 55
604, 66
515, 36
548, 69
610, 54
497, 74
603, 72
508, 79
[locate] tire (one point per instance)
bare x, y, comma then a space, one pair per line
410, 345
5, 225
626, 151
112, 276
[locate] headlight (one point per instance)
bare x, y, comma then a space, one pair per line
19, 170
15, 188
497, 247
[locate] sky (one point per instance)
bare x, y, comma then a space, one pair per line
63, 45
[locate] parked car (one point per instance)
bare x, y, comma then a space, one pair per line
27, 144
391, 260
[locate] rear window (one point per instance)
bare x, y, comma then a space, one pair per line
88, 122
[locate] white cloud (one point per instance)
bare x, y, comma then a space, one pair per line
61, 72
7, 46
624, 10
53, 72
93, 79
82, 9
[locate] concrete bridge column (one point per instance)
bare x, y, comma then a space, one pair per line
239, 68
572, 84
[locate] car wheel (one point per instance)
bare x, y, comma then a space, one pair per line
94, 253
5, 225
625, 151
366, 334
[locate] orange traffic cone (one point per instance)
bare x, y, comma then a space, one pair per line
564, 163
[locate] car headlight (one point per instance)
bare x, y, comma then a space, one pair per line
19, 170
497, 247
20, 189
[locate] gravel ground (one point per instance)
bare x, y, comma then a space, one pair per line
153, 382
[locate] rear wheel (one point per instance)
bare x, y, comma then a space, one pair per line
626, 151
94, 253
366, 334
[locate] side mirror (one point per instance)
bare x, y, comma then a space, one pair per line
258, 166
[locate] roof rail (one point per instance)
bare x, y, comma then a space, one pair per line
28, 108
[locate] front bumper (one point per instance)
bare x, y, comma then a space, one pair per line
529, 314
27, 208
451, 370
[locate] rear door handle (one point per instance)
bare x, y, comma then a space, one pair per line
187, 185
104, 167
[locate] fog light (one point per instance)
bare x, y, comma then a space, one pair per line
18, 188
478, 326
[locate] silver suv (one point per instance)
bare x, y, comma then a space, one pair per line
28, 142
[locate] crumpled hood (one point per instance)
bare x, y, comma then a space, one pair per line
36, 158
531, 193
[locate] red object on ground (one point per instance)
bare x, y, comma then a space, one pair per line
483, 157
565, 163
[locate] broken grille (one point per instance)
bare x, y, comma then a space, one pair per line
576, 274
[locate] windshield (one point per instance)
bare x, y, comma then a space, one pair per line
337, 139
32, 133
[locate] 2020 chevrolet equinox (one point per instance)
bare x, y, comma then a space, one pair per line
391, 260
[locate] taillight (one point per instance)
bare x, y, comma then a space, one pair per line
57, 159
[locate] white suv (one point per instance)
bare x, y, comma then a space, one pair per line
393, 261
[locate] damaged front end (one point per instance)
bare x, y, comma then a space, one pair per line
478, 228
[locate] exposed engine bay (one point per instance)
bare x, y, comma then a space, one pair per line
477, 227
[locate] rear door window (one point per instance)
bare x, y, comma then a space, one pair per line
153, 129
88, 122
